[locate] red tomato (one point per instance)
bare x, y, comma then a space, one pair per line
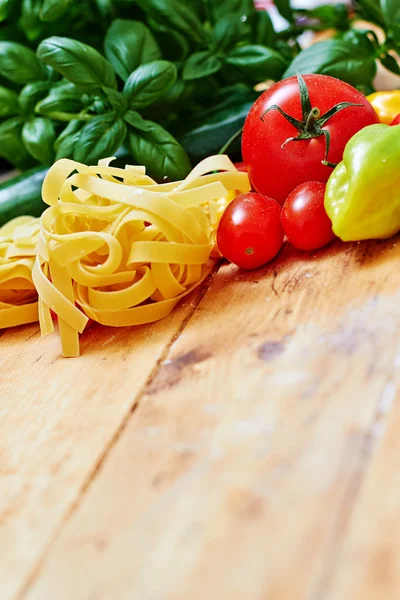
276, 168
250, 232
304, 219
396, 121
241, 167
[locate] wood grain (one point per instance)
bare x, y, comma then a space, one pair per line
58, 418
239, 474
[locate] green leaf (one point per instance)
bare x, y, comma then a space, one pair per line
105, 8
285, 9
117, 100
77, 62
263, 32
338, 58
12, 147
159, 151
174, 46
62, 98
134, 119
8, 103
38, 136
30, 19
390, 63
201, 64
258, 63
220, 8
208, 130
30, 95
229, 30
149, 82
66, 142
19, 63
178, 15
6, 7
370, 10
99, 138
51, 10
391, 15
129, 44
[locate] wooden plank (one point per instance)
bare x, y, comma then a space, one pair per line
57, 418
237, 475
368, 563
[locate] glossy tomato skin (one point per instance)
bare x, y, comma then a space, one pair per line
304, 218
275, 171
250, 232
396, 121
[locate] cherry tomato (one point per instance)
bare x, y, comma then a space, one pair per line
304, 219
241, 167
396, 120
250, 232
276, 165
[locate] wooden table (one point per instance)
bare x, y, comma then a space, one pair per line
245, 448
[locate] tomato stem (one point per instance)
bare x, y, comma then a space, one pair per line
249, 250
312, 122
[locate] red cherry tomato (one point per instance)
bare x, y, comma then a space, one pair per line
241, 167
396, 121
275, 168
304, 219
250, 232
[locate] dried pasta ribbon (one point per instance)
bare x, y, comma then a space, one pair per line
113, 246
18, 296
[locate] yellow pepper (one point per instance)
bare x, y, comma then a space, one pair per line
386, 105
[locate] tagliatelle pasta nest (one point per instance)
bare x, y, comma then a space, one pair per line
18, 295
114, 246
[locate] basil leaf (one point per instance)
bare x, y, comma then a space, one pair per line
285, 9
257, 62
67, 140
178, 15
220, 8
38, 136
391, 15
77, 62
51, 10
371, 11
129, 44
262, 28
6, 7
174, 46
136, 121
99, 138
201, 64
30, 19
229, 30
159, 151
30, 95
19, 63
105, 8
149, 82
63, 98
116, 99
352, 63
390, 63
8, 102
12, 147
207, 131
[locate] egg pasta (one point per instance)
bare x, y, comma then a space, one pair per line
114, 246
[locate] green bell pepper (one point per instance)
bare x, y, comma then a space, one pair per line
362, 196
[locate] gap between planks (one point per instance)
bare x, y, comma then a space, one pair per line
194, 303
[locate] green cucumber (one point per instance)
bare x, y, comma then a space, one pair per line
22, 195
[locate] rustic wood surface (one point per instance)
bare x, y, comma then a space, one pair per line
245, 448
